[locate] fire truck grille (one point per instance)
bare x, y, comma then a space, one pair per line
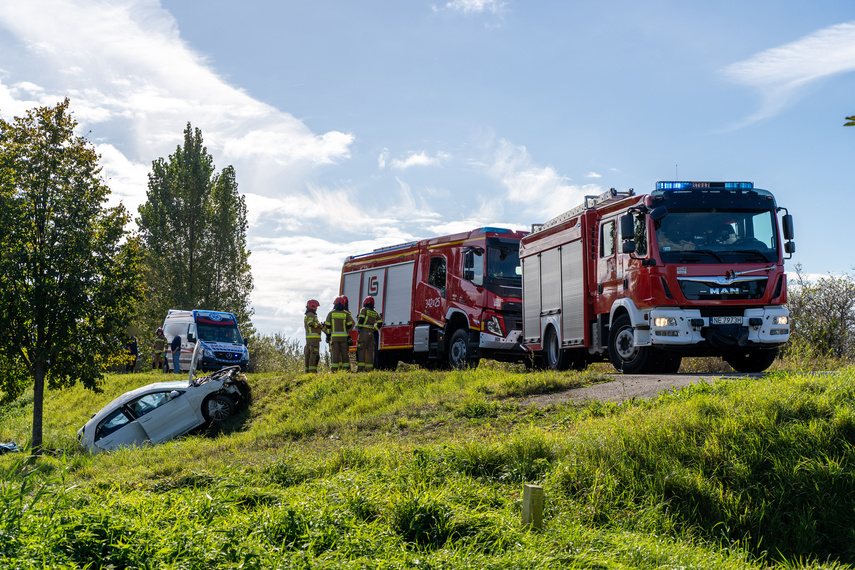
711, 291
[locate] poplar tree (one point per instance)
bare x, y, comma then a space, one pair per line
194, 225
69, 270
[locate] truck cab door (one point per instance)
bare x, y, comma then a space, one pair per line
609, 268
432, 297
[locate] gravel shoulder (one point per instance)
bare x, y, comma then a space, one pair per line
627, 386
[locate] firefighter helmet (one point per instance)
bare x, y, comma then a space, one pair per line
312, 304
368, 302
337, 300
159, 330
344, 300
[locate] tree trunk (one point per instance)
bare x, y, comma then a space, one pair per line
38, 406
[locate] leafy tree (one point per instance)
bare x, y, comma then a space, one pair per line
69, 273
850, 121
194, 229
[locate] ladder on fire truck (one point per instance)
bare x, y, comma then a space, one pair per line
590, 202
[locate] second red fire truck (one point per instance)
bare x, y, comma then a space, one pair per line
445, 301
691, 269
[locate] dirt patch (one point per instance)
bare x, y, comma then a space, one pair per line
627, 386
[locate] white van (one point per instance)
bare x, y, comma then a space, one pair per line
221, 343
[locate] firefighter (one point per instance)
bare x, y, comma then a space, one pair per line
312, 352
337, 326
368, 322
159, 358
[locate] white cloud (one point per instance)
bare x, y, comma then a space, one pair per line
419, 159
539, 190
476, 6
780, 72
593, 175
125, 68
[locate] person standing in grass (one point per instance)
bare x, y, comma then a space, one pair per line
312, 352
176, 354
159, 357
368, 323
337, 326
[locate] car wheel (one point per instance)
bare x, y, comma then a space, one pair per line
624, 355
217, 408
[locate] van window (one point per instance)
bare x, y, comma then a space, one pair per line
173, 329
227, 332
436, 274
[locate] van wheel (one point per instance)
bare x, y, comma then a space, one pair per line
626, 357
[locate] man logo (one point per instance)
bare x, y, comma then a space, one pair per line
724, 291
373, 286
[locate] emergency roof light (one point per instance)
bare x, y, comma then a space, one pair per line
673, 185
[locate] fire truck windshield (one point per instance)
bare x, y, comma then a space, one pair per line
503, 274
717, 236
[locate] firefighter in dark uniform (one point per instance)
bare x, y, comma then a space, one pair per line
312, 352
337, 327
368, 322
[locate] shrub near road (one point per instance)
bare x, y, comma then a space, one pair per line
424, 470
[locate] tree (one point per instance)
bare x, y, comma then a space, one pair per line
850, 121
823, 315
69, 273
194, 228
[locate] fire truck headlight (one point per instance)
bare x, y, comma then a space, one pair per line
493, 325
780, 320
664, 322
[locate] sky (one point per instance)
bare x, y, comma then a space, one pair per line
357, 125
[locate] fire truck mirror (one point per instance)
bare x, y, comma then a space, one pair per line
790, 247
658, 213
628, 246
787, 223
627, 229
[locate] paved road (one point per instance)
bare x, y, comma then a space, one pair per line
626, 386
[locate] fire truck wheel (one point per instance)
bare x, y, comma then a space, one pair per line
669, 363
751, 360
626, 357
554, 357
458, 350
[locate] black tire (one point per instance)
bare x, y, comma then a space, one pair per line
669, 363
217, 408
751, 360
553, 357
625, 357
458, 350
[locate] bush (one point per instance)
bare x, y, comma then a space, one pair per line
275, 353
823, 317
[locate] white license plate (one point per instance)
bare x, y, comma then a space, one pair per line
726, 321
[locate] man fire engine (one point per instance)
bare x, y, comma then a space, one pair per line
445, 301
691, 269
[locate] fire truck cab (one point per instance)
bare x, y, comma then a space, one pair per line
446, 301
691, 269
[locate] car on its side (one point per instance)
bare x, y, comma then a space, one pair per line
164, 410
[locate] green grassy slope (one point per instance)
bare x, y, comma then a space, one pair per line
418, 469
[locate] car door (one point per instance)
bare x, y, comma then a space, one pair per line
118, 429
165, 414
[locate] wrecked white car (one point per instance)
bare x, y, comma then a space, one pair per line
164, 410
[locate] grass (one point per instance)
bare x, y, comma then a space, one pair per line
419, 469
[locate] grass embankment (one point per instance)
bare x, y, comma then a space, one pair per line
417, 469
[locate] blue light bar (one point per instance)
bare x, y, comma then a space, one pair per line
491, 230
673, 185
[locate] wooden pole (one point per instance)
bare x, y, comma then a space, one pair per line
532, 507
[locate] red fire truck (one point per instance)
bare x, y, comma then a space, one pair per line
691, 269
445, 301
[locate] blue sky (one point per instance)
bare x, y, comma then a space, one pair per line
353, 125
